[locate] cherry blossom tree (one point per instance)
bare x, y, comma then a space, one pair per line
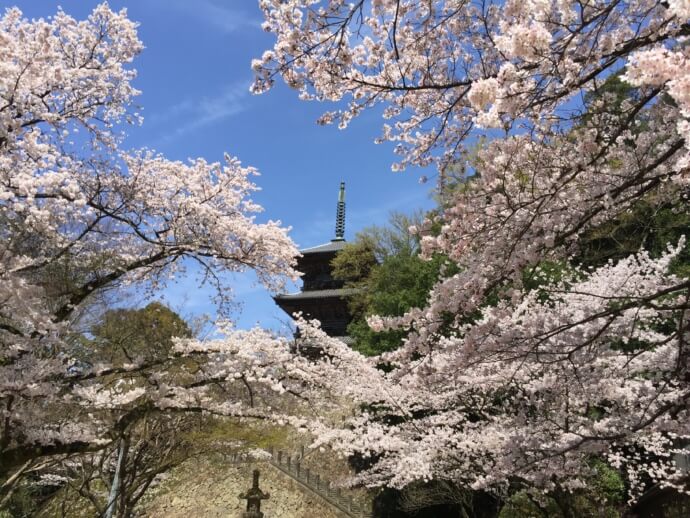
80, 215
511, 372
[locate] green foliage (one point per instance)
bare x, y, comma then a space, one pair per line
226, 435
355, 261
29, 499
124, 334
602, 497
544, 274
607, 483
613, 92
524, 505
398, 284
394, 239
649, 225
23, 502
384, 263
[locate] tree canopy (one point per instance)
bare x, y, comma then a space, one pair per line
568, 325
559, 338
123, 335
80, 216
384, 264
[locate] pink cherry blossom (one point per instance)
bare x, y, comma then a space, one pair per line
101, 217
498, 381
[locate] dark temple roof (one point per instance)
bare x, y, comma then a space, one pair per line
332, 246
322, 296
317, 294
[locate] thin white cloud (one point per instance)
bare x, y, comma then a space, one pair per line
194, 113
213, 13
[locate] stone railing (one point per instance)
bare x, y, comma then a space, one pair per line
291, 465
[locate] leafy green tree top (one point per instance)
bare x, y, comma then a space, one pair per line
123, 335
384, 263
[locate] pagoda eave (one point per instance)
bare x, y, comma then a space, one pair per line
316, 294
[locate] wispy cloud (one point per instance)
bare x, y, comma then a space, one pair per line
213, 13
194, 113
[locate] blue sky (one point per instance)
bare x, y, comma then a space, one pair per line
195, 75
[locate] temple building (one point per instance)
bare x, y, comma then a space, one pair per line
322, 297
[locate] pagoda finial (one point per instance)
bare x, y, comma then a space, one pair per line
340, 215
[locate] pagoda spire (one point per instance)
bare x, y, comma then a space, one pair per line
340, 215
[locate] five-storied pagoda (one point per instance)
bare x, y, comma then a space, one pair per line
322, 297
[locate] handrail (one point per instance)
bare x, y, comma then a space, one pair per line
316, 484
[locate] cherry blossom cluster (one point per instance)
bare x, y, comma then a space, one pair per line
532, 389
442, 68
499, 380
79, 215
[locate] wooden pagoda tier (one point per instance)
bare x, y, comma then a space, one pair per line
322, 297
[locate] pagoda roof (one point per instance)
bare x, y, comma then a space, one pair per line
317, 294
347, 340
334, 245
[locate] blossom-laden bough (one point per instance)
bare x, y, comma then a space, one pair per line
509, 372
80, 215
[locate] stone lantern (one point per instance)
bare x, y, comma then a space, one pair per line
254, 496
